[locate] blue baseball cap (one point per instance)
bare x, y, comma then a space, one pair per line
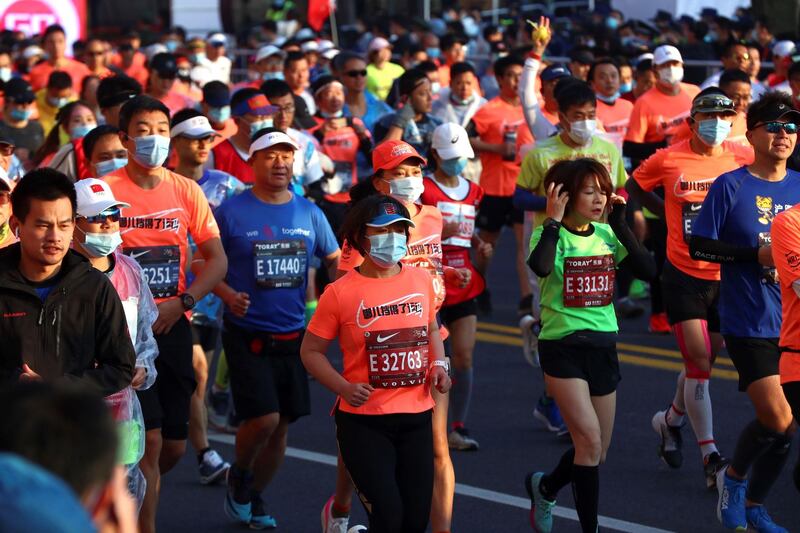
388, 214
555, 71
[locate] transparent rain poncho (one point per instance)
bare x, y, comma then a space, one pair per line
127, 413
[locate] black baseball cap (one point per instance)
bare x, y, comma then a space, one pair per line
165, 64
555, 71
582, 56
216, 94
774, 111
116, 90
19, 91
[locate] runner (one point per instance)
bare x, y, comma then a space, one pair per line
264, 294
163, 69
351, 69
575, 257
383, 417
165, 210
644, 79
7, 236
252, 112
686, 170
112, 93
398, 174
493, 134
733, 229
192, 136
612, 112
74, 121
457, 199
216, 106
54, 41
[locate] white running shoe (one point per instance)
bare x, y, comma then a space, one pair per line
357, 529
330, 524
529, 327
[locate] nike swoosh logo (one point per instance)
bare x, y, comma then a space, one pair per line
696, 207
387, 337
138, 255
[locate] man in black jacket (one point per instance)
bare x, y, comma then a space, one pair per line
59, 317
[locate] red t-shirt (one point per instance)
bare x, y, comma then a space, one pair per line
227, 159
39, 74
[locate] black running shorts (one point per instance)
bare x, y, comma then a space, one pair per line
496, 212
587, 355
754, 358
688, 298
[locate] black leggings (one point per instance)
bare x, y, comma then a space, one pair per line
390, 460
792, 392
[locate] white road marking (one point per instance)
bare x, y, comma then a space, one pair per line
472, 492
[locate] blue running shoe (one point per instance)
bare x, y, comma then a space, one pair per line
759, 520
548, 414
241, 512
541, 515
730, 504
239, 484
260, 519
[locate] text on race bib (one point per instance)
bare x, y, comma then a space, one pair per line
280, 264
161, 266
589, 281
690, 212
463, 215
397, 357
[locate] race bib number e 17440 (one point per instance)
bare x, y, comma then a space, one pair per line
280, 264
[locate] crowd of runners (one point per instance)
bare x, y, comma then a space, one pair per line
166, 212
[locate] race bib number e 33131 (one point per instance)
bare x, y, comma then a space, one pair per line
161, 266
280, 264
589, 281
397, 357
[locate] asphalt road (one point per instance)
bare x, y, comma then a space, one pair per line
638, 492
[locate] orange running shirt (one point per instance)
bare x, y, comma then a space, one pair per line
382, 326
655, 115
424, 248
786, 254
496, 122
41, 73
737, 134
155, 228
615, 120
686, 178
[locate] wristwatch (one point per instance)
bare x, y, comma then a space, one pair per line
188, 301
444, 363
551, 222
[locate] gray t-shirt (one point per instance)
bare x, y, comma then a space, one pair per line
27, 139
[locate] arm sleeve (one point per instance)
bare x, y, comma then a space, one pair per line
641, 151
525, 200
539, 125
638, 257
325, 321
543, 255
146, 347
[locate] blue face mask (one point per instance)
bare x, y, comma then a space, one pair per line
104, 168
172, 45
199, 57
433, 52
57, 102
608, 99
713, 131
626, 87
100, 244
272, 76
20, 114
454, 167
151, 150
612, 23
81, 130
219, 114
386, 249
259, 125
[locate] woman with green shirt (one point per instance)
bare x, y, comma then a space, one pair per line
576, 256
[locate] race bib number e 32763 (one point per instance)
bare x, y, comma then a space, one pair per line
589, 281
280, 264
397, 357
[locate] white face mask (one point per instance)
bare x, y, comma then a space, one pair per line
581, 131
406, 190
671, 75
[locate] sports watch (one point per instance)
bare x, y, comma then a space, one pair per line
188, 301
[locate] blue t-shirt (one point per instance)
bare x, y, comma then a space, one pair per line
739, 210
269, 248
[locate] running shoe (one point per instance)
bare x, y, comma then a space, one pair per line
357, 529
541, 515
549, 415
238, 483
759, 520
659, 324
459, 439
669, 449
627, 308
484, 300
260, 519
212, 467
712, 464
529, 327
730, 504
330, 524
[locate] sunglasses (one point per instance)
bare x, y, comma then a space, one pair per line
7, 149
94, 53
5, 197
112, 214
355, 73
775, 127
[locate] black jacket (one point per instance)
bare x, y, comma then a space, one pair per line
78, 333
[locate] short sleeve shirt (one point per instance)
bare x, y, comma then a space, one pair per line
786, 253
686, 178
615, 118
382, 327
497, 122
739, 209
656, 115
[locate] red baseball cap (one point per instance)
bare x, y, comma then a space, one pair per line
391, 154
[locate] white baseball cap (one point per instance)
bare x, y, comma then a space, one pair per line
309, 46
783, 48
304, 34
665, 53
218, 38
269, 140
378, 43
330, 53
32, 51
451, 141
325, 44
94, 197
194, 128
269, 51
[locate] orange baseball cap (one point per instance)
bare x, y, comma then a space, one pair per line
391, 154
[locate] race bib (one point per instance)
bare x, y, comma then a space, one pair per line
161, 266
280, 264
464, 216
397, 357
768, 274
689, 212
589, 281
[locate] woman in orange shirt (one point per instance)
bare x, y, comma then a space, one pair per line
384, 314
